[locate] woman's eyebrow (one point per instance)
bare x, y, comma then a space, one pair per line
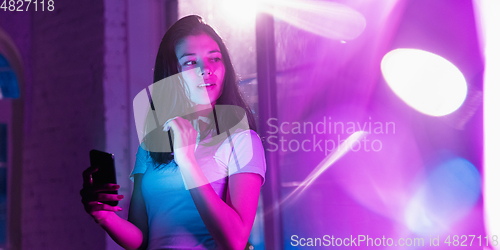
214, 51
193, 54
186, 54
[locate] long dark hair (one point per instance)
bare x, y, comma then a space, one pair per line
169, 98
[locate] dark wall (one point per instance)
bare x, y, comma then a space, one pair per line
62, 53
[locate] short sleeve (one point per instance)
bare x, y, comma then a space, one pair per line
247, 154
142, 159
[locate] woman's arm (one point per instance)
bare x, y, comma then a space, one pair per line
137, 214
228, 222
131, 234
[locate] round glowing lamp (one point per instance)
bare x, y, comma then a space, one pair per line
425, 81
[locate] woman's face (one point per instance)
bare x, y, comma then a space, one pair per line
202, 68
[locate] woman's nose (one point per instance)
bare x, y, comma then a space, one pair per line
205, 69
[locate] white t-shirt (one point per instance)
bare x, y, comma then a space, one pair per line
174, 221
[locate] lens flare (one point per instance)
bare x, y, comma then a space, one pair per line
425, 81
324, 18
326, 163
242, 12
489, 34
448, 194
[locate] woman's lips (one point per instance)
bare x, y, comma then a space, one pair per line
206, 85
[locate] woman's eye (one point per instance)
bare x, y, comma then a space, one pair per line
216, 59
190, 63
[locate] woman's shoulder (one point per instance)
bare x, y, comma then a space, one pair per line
142, 160
244, 136
142, 151
242, 141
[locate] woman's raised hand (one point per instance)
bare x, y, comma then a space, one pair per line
184, 139
93, 196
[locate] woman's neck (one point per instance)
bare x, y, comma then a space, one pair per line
203, 111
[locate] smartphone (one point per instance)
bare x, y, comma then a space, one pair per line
106, 172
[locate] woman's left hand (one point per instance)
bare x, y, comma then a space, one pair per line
184, 139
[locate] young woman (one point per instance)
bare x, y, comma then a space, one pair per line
205, 194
